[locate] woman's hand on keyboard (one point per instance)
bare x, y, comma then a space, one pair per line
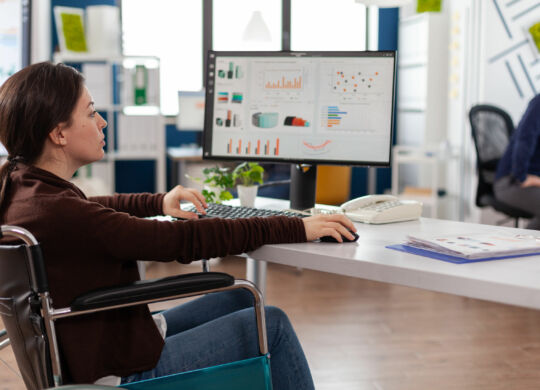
335, 225
171, 202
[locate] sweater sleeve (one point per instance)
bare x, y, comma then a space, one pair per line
125, 237
527, 135
139, 205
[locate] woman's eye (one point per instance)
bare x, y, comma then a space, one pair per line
93, 114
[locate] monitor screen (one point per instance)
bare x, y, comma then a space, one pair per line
190, 111
300, 107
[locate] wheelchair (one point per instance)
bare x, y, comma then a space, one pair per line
29, 317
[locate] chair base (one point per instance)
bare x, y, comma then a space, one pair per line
249, 374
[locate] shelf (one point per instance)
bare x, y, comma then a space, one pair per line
414, 63
137, 131
132, 155
141, 110
85, 57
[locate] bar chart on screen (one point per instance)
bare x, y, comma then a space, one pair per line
283, 79
264, 147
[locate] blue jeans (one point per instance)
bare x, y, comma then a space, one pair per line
221, 328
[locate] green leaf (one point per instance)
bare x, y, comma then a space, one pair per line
248, 174
225, 195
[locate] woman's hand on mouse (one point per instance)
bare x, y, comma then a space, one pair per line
171, 202
334, 225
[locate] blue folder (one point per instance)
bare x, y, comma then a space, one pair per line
448, 258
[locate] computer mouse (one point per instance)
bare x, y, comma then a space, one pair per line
345, 239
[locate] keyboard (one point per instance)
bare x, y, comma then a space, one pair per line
216, 210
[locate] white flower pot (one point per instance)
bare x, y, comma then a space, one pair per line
247, 195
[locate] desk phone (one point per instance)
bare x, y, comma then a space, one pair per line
377, 209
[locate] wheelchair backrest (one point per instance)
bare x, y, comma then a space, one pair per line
20, 311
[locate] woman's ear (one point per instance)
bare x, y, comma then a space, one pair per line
57, 136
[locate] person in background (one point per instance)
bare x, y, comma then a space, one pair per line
517, 181
50, 129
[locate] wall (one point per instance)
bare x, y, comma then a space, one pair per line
511, 64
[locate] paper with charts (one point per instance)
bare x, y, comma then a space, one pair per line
477, 245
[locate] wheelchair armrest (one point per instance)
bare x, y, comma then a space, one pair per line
144, 290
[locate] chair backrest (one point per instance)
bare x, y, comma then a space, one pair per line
19, 308
491, 129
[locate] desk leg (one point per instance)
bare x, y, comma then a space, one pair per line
256, 273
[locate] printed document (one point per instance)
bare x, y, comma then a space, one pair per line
477, 245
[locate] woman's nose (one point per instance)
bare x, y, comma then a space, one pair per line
103, 123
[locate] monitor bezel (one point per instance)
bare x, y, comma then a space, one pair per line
209, 104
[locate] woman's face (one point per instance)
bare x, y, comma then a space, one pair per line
85, 138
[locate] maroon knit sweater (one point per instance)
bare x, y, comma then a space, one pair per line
91, 243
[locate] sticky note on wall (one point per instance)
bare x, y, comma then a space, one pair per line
535, 34
73, 29
428, 6
70, 29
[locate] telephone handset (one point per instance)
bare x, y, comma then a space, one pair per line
377, 209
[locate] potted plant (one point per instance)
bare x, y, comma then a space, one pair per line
249, 175
216, 184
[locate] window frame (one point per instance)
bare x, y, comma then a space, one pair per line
286, 20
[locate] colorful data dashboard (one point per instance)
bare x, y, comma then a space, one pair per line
300, 106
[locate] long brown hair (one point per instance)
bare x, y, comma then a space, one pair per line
32, 103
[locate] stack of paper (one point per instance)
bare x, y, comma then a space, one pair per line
477, 245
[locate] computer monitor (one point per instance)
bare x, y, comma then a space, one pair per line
190, 111
304, 108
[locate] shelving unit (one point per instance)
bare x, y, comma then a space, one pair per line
421, 108
142, 137
429, 193
422, 86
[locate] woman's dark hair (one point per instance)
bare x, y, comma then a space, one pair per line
32, 103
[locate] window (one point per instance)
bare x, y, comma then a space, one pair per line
231, 19
172, 31
328, 25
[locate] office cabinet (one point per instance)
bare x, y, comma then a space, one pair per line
437, 198
422, 77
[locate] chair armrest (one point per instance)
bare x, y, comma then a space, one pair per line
144, 290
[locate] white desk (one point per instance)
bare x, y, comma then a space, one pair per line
512, 281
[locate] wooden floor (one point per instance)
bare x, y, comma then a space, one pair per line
359, 334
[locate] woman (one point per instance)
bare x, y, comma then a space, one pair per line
50, 128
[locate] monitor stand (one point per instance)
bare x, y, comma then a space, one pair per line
303, 185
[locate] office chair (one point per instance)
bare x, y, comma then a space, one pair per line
491, 129
29, 318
